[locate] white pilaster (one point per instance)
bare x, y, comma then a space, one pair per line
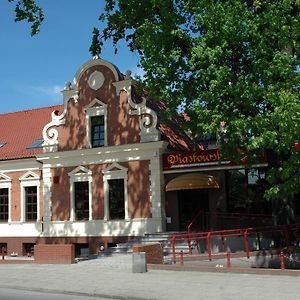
47, 180
156, 179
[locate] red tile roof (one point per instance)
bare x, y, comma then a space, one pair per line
18, 130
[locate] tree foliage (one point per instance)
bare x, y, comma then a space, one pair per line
30, 11
234, 61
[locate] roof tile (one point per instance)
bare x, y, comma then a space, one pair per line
18, 130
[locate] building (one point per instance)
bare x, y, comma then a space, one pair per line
101, 169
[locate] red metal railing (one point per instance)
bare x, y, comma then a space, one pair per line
191, 238
204, 219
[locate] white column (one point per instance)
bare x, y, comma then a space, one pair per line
156, 179
47, 180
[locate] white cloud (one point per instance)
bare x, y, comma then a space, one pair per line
46, 94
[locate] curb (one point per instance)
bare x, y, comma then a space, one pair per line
70, 293
257, 271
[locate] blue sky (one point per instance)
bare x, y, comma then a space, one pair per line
33, 70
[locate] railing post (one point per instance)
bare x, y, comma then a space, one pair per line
223, 243
181, 258
246, 243
173, 249
189, 239
258, 240
208, 245
228, 260
282, 266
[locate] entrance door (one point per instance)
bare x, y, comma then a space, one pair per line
190, 205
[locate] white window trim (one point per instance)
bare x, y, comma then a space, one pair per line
5, 183
95, 108
115, 171
29, 179
80, 174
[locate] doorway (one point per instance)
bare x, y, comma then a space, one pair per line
192, 206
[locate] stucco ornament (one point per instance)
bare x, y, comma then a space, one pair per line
148, 117
96, 80
50, 133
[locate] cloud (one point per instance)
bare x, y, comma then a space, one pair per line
52, 93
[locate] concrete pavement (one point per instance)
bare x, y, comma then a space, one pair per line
112, 278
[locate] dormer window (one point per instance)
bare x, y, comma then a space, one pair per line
98, 131
96, 116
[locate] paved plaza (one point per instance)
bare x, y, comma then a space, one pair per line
112, 278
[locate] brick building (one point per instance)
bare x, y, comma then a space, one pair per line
101, 169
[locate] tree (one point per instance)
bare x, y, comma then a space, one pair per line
30, 11
233, 62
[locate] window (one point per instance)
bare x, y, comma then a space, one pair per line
246, 189
30, 203
4, 246
81, 194
115, 192
28, 249
116, 199
81, 200
5, 198
98, 132
96, 119
30, 206
4, 204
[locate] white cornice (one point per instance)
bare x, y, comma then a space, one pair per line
17, 165
102, 155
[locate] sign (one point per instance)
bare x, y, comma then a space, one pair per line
177, 160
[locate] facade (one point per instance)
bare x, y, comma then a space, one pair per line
87, 172
102, 169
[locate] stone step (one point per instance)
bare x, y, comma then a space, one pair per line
160, 237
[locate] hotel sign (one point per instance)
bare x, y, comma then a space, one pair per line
200, 158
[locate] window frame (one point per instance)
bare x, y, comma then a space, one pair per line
94, 109
6, 197
76, 211
26, 195
115, 171
93, 126
5, 183
27, 180
80, 174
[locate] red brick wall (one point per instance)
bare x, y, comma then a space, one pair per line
15, 244
54, 254
121, 127
61, 194
154, 252
16, 194
139, 204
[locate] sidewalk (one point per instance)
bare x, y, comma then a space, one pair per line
112, 278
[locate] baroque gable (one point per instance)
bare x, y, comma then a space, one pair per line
120, 119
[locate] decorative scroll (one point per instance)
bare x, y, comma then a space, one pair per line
148, 120
50, 133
